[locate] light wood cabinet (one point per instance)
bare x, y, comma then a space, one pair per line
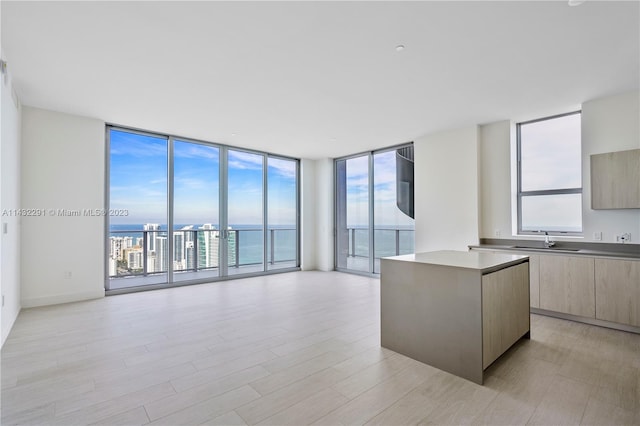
505, 310
615, 180
534, 276
567, 285
534, 280
617, 284
456, 311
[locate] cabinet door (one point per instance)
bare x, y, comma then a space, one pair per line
534, 275
618, 291
567, 285
615, 180
534, 280
505, 310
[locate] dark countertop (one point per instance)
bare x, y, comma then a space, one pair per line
621, 251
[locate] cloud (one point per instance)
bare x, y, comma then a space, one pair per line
244, 160
284, 168
194, 150
135, 145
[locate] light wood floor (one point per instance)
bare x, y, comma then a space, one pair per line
295, 348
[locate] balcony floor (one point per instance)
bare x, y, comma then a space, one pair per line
210, 274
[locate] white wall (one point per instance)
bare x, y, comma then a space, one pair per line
608, 124
495, 180
446, 190
324, 215
9, 200
63, 167
308, 215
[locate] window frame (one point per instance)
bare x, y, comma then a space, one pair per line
562, 191
371, 208
169, 281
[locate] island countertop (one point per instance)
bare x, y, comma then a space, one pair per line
476, 260
454, 310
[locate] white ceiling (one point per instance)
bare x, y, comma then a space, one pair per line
317, 79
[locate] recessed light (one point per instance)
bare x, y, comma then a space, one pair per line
233, 134
400, 48
576, 2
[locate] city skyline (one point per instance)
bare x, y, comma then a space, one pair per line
193, 249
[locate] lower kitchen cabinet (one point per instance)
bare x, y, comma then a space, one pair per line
567, 285
534, 275
534, 280
617, 284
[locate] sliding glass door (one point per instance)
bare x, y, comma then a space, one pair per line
392, 187
196, 213
374, 208
190, 211
353, 216
282, 199
137, 251
245, 217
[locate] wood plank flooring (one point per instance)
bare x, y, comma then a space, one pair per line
296, 348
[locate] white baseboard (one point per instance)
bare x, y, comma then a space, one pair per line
62, 298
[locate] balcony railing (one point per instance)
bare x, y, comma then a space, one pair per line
388, 242
145, 252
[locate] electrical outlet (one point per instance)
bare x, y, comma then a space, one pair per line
496, 233
597, 236
67, 275
623, 238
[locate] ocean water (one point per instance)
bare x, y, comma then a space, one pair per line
384, 241
249, 240
250, 243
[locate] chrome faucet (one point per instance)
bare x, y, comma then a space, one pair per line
547, 241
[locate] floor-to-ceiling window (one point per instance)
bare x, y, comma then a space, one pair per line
138, 220
245, 232
374, 208
282, 198
185, 211
196, 211
352, 213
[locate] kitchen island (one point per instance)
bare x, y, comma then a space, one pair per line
456, 311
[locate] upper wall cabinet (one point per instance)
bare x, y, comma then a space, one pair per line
615, 180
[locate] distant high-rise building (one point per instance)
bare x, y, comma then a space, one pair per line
134, 258
178, 246
231, 247
190, 255
113, 267
152, 261
116, 247
151, 236
207, 246
127, 242
162, 254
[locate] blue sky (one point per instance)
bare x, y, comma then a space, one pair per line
138, 179
386, 212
